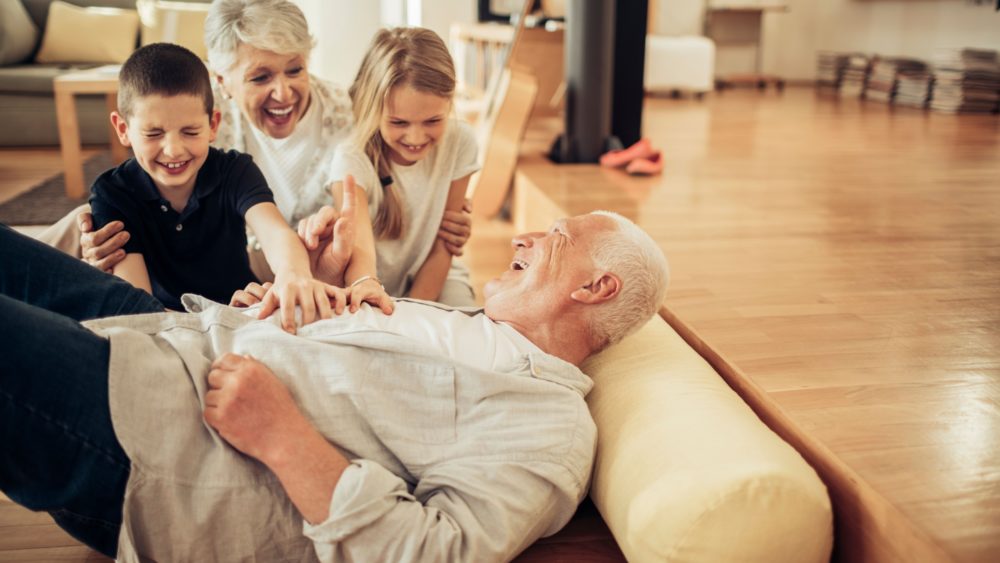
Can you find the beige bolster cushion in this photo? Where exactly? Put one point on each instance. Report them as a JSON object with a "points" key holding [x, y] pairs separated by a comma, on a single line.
{"points": [[75, 34], [686, 471]]}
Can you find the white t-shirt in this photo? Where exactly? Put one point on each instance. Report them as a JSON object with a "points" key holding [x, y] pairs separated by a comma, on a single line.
{"points": [[423, 188]]}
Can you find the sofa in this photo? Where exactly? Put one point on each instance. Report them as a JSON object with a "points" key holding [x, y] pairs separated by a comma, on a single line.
{"points": [[29, 63]]}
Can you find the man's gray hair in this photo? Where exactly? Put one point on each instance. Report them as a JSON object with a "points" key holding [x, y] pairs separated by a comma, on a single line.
{"points": [[278, 26], [629, 253]]}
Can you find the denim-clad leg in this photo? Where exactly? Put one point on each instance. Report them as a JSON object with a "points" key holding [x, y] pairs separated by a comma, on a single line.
{"points": [[37, 274], [58, 449]]}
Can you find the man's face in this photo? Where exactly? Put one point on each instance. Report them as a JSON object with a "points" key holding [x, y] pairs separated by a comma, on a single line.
{"points": [[547, 267]]}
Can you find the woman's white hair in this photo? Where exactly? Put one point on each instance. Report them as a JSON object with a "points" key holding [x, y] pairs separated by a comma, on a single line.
{"points": [[278, 26], [629, 253]]}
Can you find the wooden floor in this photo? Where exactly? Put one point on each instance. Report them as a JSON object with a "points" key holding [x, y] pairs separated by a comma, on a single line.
{"points": [[845, 259]]}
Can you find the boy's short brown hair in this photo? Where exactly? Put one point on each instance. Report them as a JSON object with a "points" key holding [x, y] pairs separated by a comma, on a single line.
{"points": [[162, 69]]}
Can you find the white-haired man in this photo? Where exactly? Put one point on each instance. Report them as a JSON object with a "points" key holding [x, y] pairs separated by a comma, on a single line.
{"points": [[427, 435]]}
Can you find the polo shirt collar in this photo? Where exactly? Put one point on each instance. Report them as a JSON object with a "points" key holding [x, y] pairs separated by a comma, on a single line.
{"points": [[208, 179]]}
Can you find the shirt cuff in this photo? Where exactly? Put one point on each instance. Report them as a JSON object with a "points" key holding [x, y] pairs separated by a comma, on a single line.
{"points": [[365, 492]]}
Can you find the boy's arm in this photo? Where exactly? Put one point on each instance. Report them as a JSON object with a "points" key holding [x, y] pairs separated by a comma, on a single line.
{"points": [[133, 270], [293, 281], [430, 279]]}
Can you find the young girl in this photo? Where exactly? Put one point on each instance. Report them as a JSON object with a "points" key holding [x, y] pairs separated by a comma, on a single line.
{"points": [[411, 162]]}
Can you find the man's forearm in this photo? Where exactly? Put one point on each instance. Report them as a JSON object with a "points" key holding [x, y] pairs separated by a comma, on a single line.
{"points": [[309, 469]]}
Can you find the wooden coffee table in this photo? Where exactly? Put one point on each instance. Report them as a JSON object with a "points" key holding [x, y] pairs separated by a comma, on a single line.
{"points": [[99, 80]]}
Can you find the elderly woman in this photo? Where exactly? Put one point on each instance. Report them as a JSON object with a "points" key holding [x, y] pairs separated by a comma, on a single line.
{"points": [[273, 109]]}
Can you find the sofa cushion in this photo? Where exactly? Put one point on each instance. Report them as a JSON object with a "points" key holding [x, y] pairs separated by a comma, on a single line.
{"points": [[182, 23], [685, 470], [96, 35], [18, 34], [35, 78]]}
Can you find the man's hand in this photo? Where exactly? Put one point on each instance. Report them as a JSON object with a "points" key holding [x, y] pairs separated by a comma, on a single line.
{"points": [[456, 228], [329, 235], [251, 408], [101, 249]]}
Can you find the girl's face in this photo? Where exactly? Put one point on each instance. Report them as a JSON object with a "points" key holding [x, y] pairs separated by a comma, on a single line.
{"points": [[271, 89], [412, 122]]}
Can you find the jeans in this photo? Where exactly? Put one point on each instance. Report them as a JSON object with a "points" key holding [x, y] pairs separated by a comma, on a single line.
{"points": [[58, 449]]}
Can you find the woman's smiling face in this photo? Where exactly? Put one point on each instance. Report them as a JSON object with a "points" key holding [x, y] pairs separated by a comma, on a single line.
{"points": [[271, 89]]}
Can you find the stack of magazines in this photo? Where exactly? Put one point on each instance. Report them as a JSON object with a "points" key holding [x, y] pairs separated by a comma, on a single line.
{"points": [[913, 88], [881, 86], [830, 70], [966, 81], [855, 75]]}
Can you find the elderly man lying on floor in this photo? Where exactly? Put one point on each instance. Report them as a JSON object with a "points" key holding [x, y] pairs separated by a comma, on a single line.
{"points": [[426, 435]]}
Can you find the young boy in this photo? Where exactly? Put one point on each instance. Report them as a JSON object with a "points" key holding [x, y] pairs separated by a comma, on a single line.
{"points": [[185, 204]]}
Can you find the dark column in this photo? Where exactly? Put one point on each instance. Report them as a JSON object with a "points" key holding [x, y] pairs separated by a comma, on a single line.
{"points": [[629, 69]]}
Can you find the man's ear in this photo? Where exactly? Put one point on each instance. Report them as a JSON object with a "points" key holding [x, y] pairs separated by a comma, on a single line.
{"points": [[121, 128], [601, 290]]}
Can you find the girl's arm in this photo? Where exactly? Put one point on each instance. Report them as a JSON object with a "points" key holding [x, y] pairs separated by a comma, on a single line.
{"points": [[430, 279], [132, 269], [362, 268], [293, 281]]}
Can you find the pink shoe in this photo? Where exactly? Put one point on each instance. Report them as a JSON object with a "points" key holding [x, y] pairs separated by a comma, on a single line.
{"points": [[646, 166], [616, 159]]}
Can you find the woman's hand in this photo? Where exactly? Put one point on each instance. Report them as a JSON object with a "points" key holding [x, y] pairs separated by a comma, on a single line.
{"points": [[103, 248], [251, 295], [456, 228], [314, 297], [369, 290]]}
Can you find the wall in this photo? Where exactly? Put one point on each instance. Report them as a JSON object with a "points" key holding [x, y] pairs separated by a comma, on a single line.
{"points": [[915, 28], [791, 39], [344, 28]]}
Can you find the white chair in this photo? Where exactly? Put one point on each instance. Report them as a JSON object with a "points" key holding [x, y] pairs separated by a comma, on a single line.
{"points": [[679, 64]]}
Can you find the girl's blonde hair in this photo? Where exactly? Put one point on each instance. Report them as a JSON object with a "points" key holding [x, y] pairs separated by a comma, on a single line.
{"points": [[402, 56]]}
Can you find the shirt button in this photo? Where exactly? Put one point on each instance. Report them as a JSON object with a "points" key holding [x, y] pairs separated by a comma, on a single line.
{"points": [[179, 227], [163, 208]]}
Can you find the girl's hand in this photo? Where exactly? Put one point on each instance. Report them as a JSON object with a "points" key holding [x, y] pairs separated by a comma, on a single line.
{"points": [[312, 296], [368, 289], [329, 235], [456, 228]]}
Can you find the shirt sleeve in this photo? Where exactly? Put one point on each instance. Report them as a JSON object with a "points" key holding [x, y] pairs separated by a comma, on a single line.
{"points": [[349, 160], [108, 204], [251, 187], [465, 511], [468, 150]]}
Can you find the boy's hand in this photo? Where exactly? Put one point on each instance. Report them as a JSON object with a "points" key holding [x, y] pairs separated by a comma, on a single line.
{"points": [[328, 236], [312, 296], [371, 291], [101, 249], [456, 228]]}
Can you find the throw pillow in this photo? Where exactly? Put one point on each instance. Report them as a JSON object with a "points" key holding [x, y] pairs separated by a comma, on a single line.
{"points": [[74, 34], [18, 33], [182, 23]]}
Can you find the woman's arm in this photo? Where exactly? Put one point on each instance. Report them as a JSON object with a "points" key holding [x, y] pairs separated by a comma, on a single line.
{"points": [[430, 279]]}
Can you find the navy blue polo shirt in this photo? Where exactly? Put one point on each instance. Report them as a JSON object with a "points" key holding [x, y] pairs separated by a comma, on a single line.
{"points": [[200, 250]]}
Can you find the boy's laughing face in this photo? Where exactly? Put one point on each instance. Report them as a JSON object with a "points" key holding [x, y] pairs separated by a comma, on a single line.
{"points": [[170, 137]]}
